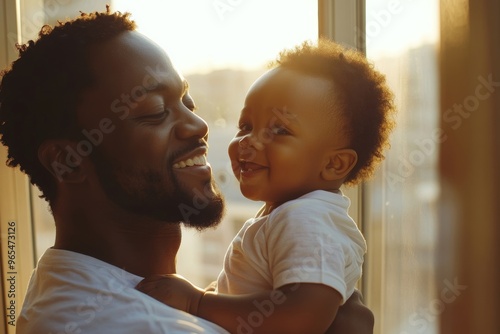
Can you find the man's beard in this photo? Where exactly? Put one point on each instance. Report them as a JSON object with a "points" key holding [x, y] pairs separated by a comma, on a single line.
{"points": [[148, 193]]}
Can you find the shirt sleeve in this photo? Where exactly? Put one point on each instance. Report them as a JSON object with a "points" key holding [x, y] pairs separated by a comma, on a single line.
{"points": [[306, 247]]}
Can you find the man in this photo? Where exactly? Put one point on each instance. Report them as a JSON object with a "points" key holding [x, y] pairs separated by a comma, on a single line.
{"points": [[102, 123]]}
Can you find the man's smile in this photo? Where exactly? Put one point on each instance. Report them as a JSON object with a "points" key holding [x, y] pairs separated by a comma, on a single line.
{"points": [[198, 160]]}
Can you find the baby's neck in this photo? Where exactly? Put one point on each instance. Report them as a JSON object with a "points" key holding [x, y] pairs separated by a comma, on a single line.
{"points": [[267, 208]]}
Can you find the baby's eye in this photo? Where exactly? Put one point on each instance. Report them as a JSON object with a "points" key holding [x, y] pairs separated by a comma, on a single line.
{"points": [[244, 127], [280, 130]]}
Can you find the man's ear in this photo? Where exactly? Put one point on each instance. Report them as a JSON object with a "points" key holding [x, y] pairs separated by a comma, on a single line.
{"points": [[339, 164], [62, 160]]}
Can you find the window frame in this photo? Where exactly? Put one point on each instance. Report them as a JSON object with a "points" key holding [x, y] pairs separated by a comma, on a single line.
{"points": [[344, 22], [15, 194]]}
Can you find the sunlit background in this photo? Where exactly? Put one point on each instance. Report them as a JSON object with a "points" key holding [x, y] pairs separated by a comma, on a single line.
{"points": [[202, 36]]}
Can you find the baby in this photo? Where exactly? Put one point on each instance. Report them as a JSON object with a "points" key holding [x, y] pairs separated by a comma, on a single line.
{"points": [[318, 120]]}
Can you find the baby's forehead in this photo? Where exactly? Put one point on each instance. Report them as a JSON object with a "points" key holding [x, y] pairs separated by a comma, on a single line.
{"points": [[285, 78], [294, 115], [291, 87]]}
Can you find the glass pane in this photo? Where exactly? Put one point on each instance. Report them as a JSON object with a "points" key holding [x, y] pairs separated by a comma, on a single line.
{"points": [[400, 202], [221, 47]]}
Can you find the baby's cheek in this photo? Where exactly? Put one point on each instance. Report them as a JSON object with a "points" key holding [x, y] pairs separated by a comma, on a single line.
{"points": [[232, 150], [234, 156]]}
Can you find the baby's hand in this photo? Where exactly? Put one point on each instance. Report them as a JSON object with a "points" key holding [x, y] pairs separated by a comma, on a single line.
{"points": [[173, 290]]}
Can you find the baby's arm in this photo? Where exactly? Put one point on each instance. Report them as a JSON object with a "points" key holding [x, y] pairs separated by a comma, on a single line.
{"points": [[353, 317], [294, 308]]}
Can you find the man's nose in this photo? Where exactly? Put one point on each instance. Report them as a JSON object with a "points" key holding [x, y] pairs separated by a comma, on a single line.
{"points": [[192, 125]]}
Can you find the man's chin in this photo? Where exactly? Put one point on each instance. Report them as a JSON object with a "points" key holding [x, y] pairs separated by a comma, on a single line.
{"points": [[203, 217], [147, 194]]}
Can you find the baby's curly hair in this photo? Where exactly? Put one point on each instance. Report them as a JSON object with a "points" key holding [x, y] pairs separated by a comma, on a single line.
{"points": [[365, 103], [40, 92]]}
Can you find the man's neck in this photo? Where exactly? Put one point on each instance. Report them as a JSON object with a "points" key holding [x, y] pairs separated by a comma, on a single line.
{"points": [[139, 246]]}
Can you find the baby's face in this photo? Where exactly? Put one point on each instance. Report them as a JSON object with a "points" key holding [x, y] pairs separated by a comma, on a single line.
{"points": [[285, 134]]}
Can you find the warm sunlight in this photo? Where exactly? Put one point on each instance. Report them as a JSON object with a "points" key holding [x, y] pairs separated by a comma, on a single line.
{"points": [[201, 35], [395, 26]]}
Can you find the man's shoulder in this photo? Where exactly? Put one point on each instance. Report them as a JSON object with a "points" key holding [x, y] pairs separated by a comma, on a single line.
{"points": [[93, 297]]}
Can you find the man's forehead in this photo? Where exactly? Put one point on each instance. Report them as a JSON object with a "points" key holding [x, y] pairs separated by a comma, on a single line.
{"points": [[171, 85], [128, 68], [129, 57]]}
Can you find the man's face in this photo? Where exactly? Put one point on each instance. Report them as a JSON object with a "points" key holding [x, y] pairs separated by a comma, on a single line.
{"points": [[152, 159]]}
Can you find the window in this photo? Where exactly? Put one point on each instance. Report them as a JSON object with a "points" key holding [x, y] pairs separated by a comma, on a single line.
{"points": [[400, 203]]}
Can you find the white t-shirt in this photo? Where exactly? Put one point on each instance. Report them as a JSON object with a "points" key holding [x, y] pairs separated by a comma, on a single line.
{"points": [[73, 293], [311, 239]]}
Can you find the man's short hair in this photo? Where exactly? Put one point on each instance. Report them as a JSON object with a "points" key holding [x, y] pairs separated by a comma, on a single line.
{"points": [[40, 92]]}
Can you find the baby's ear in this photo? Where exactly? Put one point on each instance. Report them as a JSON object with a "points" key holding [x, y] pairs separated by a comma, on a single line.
{"points": [[62, 160], [339, 164]]}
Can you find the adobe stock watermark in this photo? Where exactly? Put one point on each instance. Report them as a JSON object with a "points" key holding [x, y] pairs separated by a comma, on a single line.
{"points": [[199, 202], [263, 309], [380, 20], [222, 7], [121, 106], [325, 250], [422, 319], [89, 308], [31, 25], [256, 142], [454, 117]]}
